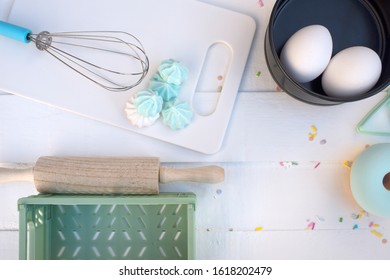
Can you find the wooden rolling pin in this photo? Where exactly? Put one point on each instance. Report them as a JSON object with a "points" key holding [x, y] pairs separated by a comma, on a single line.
{"points": [[105, 175]]}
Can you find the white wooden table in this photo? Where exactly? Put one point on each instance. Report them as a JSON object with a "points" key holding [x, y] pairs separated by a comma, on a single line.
{"points": [[284, 197]]}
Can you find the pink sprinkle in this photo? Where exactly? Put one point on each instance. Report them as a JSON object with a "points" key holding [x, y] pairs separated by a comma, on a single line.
{"points": [[260, 2], [311, 225], [318, 164], [371, 224]]}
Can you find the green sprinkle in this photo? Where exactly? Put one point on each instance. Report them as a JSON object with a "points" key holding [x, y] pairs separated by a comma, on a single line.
{"points": [[258, 73], [340, 219]]}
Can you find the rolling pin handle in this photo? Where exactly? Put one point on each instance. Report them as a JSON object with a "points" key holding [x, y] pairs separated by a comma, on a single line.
{"points": [[206, 174], [16, 172]]}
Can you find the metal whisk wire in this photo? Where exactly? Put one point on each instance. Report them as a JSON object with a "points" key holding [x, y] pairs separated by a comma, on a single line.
{"points": [[125, 54], [98, 74]]}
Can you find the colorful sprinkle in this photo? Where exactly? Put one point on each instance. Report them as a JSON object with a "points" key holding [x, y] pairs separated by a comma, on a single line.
{"points": [[323, 142], [318, 164], [384, 241], [288, 164], [258, 73], [374, 232], [260, 2], [348, 163], [312, 134], [355, 227], [259, 229], [219, 78], [340, 219], [219, 89], [355, 216], [310, 226], [219, 191]]}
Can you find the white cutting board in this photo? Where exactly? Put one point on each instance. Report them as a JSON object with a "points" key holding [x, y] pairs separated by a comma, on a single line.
{"points": [[177, 29]]}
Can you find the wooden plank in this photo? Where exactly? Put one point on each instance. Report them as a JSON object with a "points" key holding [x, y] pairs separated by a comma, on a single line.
{"points": [[266, 245], [5, 8], [277, 197], [9, 195], [9, 245], [292, 245], [264, 127]]}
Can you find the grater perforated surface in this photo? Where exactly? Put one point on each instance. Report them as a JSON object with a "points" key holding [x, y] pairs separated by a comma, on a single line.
{"points": [[113, 230], [119, 232]]}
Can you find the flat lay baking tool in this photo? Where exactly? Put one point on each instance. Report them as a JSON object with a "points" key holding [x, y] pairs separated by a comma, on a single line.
{"points": [[82, 227], [377, 120], [74, 48], [199, 35], [350, 22], [370, 179], [105, 175]]}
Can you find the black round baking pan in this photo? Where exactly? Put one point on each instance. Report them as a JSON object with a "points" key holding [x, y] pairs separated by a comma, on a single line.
{"points": [[350, 22]]}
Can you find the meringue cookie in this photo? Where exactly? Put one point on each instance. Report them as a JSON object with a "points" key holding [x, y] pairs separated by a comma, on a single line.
{"points": [[135, 117], [176, 114], [148, 103], [166, 90], [173, 72]]}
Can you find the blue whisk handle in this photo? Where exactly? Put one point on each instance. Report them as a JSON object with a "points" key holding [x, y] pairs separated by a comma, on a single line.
{"points": [[14, 32]]}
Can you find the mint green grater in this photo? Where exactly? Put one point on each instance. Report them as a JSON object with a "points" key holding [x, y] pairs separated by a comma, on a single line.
{"points": [[107, 227]]}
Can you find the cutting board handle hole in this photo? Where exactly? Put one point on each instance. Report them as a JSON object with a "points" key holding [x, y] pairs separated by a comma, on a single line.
{"points": [[214, 73]]}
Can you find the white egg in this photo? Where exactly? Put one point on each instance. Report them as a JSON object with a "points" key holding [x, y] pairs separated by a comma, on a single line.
{"points": [[351, 72], [307, 53]]}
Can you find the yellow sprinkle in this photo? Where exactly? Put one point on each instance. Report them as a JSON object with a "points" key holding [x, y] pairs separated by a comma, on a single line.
{"points": [[313, 128], [312, 136], [374, 232], [375, 226], [259, 229], [348, 163]]}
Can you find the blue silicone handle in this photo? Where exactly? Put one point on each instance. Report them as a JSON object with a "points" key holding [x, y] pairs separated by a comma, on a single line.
{"points": [[14, 32]]}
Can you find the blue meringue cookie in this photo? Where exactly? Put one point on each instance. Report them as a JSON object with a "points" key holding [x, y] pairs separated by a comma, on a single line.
{"points": [[173, 72], [166, 90], [136, 118], [148, 103], [176, 114]]}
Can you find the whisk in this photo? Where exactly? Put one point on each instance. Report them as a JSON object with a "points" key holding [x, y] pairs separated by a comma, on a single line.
{"points": [[114, 60]]}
